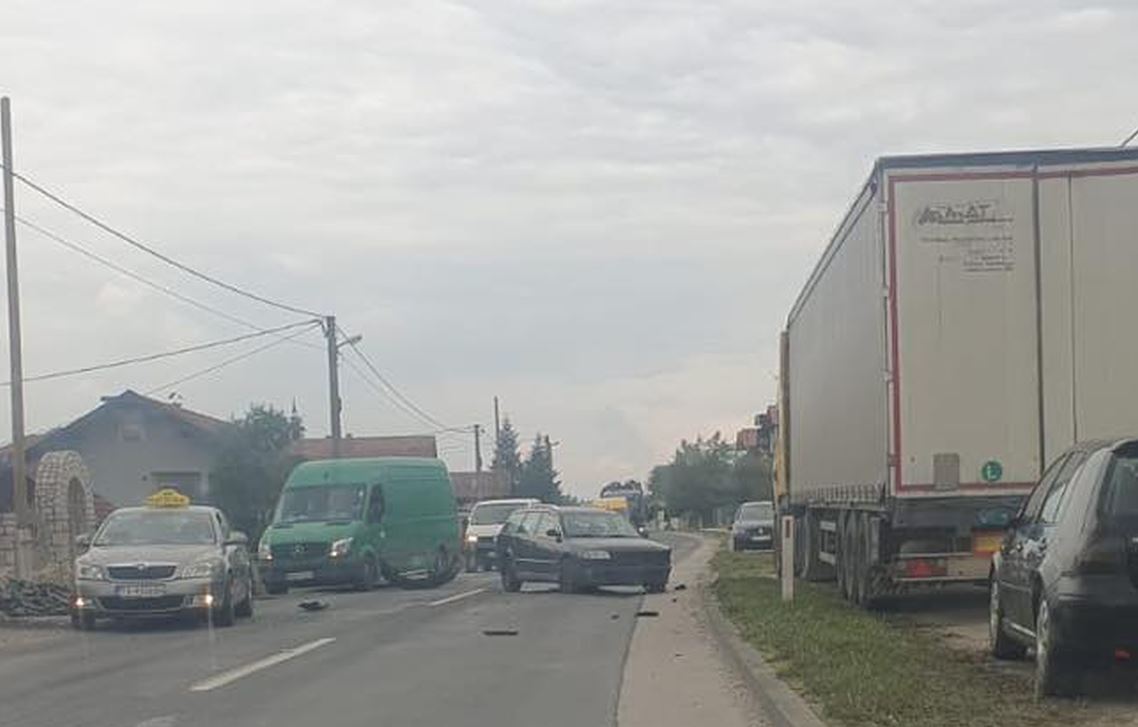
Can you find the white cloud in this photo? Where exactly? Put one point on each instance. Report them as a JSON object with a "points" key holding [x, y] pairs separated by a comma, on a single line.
{"points": [[600, 211]]}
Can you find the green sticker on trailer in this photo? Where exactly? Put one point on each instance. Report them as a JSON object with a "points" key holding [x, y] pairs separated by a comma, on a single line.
{"points": [[992, 471]]}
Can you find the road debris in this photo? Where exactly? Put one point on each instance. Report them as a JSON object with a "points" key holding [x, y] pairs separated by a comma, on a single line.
{"points": [[26, 598], [500, 632], [680, 587], [647, 614], [313, 605]]}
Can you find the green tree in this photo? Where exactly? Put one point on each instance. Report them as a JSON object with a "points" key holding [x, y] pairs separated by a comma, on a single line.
{"points": [[507, 460], [753, 476], [700, 479], [538, 478], [252, 466]]}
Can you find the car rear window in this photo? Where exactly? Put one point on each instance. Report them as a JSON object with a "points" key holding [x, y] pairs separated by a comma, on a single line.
{"points": [[1121, 493]]}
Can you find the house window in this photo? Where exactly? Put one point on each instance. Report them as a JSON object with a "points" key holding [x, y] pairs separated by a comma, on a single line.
{"points": [[131, 432]]}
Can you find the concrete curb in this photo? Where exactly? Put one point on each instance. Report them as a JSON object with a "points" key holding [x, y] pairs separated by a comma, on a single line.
{"points": [[783, 706]]}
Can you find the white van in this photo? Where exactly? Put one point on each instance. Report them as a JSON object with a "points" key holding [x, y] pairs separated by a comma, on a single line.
{"points": [[486, 520]]}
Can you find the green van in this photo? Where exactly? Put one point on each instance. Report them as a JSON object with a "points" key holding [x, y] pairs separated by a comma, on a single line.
{"points": [[348, 521]]}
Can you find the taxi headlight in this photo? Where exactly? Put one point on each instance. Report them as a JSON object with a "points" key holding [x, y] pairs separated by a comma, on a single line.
{"points": [[471, 538], [340, 548], [201, 569], [85, 572], [595, 555]]}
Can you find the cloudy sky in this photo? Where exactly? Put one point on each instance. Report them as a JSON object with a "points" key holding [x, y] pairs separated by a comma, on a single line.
{"points": [[598, 211]]}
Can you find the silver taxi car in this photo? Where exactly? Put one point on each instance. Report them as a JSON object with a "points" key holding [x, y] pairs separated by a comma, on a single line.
{"points": [[166, 558]]}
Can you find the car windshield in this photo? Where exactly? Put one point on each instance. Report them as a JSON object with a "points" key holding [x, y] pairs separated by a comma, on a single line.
{"points": [[597, 525], [492, 513], [756, 511], [157, 527], [336, 502]]}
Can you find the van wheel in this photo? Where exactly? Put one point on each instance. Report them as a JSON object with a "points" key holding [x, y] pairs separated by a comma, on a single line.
{"points": [[369, 576], [444, 569]]}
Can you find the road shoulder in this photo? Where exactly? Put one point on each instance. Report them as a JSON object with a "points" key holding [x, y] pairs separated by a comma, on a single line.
{"points": [[675, 672]]}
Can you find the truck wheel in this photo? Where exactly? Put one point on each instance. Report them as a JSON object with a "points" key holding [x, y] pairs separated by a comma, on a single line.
{"points": [[867, 587], [847, 558]]}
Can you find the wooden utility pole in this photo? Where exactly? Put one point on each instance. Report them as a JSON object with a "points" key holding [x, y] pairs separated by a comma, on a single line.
{"points": [[19, 475], [477, 447], [333, 382], [497, 423]]}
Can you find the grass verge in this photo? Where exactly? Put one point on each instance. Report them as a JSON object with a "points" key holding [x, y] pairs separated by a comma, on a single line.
{"points": [[862, 670]]}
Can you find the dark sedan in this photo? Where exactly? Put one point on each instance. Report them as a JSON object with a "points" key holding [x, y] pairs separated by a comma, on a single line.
{"points": [[1065, 581], [579, 547]]}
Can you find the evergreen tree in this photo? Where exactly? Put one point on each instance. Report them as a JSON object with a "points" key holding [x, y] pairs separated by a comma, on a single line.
{"points": [[507, 461], [539, 479]]}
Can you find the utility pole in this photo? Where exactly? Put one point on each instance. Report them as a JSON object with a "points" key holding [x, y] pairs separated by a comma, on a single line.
{"points": [[497, 424], [19, 475], [333, 382], [477, 447]]}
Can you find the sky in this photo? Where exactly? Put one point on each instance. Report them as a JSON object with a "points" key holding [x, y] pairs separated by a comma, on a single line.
{"points": [[599, 212]]}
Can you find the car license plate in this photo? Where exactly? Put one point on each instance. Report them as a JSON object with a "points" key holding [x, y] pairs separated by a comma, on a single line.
{"points": [[300, 575], [140, 590], [986, 543]]}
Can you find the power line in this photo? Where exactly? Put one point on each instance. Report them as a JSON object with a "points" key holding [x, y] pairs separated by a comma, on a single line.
{"points": [[1127, 140], [160, 255], [77, 248], [228, 361], [395, 392], [156, 356]]}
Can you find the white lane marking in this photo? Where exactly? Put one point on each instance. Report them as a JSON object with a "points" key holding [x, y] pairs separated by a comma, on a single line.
{"points": [[457, 597], [228, 677]]}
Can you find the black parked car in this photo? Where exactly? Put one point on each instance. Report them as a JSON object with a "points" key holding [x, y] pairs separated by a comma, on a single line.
{"points": [[753, 528], [1065, 580], [579, 547]]}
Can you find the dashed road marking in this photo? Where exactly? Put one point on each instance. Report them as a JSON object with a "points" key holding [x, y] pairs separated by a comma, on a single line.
{"points": [[457, 597], [228, 677]]}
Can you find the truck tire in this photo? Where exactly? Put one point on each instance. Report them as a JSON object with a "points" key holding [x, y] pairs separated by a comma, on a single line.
{"points": [[847, 556], [867, 592]]}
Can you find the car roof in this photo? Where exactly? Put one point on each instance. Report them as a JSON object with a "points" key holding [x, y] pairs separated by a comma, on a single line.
{"points": [[145, 508]]}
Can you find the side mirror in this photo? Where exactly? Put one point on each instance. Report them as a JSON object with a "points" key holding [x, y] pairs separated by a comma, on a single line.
{"points": [[83, 542], [554, 533], [237, 538]]}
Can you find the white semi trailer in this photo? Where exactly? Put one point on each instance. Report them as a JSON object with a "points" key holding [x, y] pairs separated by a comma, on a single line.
{"points": [[972, 316]]}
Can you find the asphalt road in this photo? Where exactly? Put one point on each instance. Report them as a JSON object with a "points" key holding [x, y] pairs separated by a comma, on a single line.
{"points": [[388, 657]]}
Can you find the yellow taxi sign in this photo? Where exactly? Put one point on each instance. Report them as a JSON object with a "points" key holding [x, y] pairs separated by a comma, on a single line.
{"points": [[168, 497]]}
